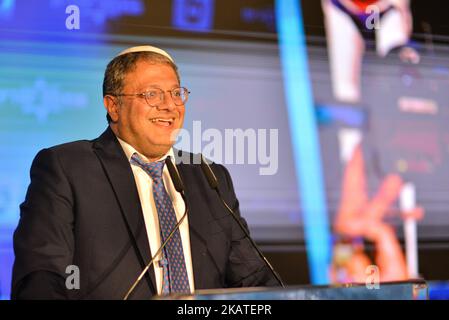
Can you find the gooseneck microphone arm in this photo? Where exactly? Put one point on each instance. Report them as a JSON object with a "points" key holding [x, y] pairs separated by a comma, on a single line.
{"points": [[213, 182], [175, 177], [179, 187]]}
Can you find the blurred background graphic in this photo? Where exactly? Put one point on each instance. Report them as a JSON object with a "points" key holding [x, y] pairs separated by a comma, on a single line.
{"points": [[359, 91]]}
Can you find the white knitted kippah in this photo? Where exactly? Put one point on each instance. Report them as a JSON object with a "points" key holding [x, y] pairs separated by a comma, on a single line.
{"points": [[147, 49]]}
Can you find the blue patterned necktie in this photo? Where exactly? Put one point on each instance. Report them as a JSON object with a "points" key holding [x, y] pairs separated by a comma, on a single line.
{"points": [[173, 264]]}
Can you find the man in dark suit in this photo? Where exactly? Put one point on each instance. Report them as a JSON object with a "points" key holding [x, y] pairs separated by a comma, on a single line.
{"points": [[95, 211]]}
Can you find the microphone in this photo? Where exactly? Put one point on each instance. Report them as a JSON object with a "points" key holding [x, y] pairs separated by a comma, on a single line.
{"points": [[175, 177], [213, 182], [179, 187]]}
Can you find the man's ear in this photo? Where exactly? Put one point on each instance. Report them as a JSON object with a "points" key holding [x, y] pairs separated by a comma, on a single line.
{"points": [[112, 106]]}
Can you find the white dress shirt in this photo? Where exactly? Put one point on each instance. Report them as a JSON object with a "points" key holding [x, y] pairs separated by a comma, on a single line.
{"points": [[144, 185]]}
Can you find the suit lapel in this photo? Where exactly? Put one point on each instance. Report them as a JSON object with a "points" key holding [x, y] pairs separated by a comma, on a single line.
{"points": [[120, 176], [198, 223]]}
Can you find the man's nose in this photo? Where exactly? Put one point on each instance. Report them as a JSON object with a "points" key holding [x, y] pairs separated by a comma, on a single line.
{"points": [[167, 102]]}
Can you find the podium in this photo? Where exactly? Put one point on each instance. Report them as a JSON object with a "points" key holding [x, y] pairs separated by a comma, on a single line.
{"points": [[405, 290]]}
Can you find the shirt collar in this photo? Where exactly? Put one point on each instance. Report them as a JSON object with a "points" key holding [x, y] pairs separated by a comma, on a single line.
{"points": [[130, 150]]}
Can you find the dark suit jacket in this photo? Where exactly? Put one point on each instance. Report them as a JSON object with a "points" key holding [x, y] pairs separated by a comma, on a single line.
{"points": [[82, 208]]}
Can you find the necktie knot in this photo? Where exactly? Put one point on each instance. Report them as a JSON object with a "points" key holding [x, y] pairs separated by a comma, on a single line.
{"points": [[153, 169]]}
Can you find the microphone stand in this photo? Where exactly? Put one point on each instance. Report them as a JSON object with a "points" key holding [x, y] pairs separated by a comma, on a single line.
{"points": [[213, 182]]}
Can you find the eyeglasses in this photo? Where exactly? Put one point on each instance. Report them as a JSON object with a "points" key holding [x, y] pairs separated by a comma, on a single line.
{"points": [[156, 96]]}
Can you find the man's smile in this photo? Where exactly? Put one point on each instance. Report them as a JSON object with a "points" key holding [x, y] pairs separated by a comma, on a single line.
{"points": [[163, 122]]}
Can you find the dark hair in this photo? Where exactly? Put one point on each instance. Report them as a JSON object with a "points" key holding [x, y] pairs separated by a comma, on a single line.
{"points": [[119, 66]]}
